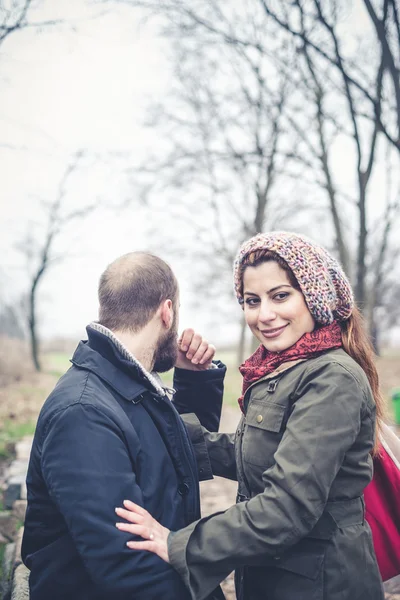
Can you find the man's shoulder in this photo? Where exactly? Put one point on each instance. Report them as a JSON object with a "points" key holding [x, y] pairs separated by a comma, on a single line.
{"points": [[76, 386]]}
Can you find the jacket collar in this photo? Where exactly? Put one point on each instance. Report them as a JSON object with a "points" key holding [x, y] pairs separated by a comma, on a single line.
{"points": [[104, 355]]}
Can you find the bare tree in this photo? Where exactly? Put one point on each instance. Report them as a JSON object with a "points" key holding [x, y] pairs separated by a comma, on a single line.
{"points": [[17, 15], [39, 252], [11, 320], [14, 16], [383, 309], [365, 85], [227, 136], [316, 131], [387, 28], [334, 93], [322, 48]]}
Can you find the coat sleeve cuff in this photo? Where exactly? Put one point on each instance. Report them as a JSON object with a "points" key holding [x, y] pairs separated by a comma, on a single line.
{"points": [[197, 438], [177, 543], [198, 580], [215, 372]]}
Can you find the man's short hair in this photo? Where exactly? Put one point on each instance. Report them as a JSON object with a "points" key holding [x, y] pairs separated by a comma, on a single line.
{"points": [[132, 288]]}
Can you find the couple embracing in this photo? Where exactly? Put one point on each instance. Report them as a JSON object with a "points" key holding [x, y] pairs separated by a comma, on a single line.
{"points": [[113, 494]]}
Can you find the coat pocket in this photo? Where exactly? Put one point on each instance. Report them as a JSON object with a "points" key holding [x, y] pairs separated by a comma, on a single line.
{"points": [[263, 432], [297, 574], [306, 559], [265, 415]]}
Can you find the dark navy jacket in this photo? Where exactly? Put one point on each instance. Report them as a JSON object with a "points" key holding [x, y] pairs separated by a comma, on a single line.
{"points": [[105, 435]]}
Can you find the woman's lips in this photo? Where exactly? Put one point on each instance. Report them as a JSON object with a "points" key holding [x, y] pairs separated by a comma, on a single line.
{"points": [[272, 333]]}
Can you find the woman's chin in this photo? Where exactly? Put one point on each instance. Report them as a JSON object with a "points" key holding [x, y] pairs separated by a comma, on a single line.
{"points": [[280, 344], [276, 346]]}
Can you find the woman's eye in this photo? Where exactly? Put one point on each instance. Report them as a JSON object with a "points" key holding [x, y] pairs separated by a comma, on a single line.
{"points": [[252, 301], [281, 296]]}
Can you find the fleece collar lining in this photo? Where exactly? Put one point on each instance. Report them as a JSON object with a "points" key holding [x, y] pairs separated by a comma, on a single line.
{"points": [[152, 378]]}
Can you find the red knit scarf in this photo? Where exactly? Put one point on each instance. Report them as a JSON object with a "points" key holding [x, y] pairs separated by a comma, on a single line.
{"points": [[310, 345]]}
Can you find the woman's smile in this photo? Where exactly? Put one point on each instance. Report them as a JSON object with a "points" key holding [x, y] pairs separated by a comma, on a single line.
{"points": [[273, 333]]}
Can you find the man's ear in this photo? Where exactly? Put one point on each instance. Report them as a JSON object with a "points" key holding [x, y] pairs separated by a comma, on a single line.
{"points": [[167, 313]]}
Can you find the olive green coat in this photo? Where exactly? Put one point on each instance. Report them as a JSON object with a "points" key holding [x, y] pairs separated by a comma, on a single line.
{"points": [[301, 455]]}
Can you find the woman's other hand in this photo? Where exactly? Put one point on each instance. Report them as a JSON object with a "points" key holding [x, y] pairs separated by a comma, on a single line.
{"points": [[143, 524]]}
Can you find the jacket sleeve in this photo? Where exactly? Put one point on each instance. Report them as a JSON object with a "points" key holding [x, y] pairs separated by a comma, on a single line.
{"points": [[323, 425], [201, 392], [88, 471], [215, 452]]}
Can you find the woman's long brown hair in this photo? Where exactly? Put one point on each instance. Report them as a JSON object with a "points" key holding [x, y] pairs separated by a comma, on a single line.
{"points": [[355, 340], [357, 344]]}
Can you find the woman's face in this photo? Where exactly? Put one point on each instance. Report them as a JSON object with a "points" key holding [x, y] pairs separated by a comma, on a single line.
{"points": [[274, 310]]}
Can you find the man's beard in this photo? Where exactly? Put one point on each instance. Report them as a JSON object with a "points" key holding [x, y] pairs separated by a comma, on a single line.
{"points": [[167, 352]]}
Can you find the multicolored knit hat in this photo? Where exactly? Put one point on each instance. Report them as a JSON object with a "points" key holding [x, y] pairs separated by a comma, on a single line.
{"points": [[325, 287]]}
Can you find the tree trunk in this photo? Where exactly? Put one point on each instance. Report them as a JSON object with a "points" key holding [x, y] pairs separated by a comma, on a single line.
{"points": [[362, 247], [374, 336], [34, 340], [344, 257]]}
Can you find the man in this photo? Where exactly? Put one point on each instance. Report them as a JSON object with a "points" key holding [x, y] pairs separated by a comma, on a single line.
{"points": [[108, 432]]}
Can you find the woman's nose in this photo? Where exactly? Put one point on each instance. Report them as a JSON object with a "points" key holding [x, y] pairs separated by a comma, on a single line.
{"points": [[266, 313]]}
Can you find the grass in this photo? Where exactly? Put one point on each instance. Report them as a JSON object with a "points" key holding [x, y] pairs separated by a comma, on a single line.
{"points": [[56, 363], [4, 576], [233, 379], [2, 551], [11, 432], [19, 524]]}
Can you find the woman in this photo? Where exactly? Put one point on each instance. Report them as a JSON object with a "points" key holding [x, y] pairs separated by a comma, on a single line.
{"points": [[302, 451]]}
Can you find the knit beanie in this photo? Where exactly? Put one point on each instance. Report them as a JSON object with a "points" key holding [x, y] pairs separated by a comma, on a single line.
{"points": [[324, 285]]}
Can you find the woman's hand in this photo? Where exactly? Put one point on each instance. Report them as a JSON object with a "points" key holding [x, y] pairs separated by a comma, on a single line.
{"points": [[142, 523], [195, 353]]}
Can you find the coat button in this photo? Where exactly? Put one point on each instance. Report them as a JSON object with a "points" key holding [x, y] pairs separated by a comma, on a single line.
{"points": [[183, 489], [259, 419]]}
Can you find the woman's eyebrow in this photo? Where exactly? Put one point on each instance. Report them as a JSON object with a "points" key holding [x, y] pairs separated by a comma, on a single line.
{"points": [[268, 291], [279, 286]]}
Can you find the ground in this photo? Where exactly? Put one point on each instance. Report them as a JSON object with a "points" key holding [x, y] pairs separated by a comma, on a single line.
{"points": [[219, 494]]}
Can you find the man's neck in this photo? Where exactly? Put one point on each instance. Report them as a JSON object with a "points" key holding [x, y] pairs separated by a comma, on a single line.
{"points": [[140, 345]]}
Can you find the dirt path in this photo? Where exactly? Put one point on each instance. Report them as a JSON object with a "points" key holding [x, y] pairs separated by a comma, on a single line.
{"points": [[219, 494]]}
